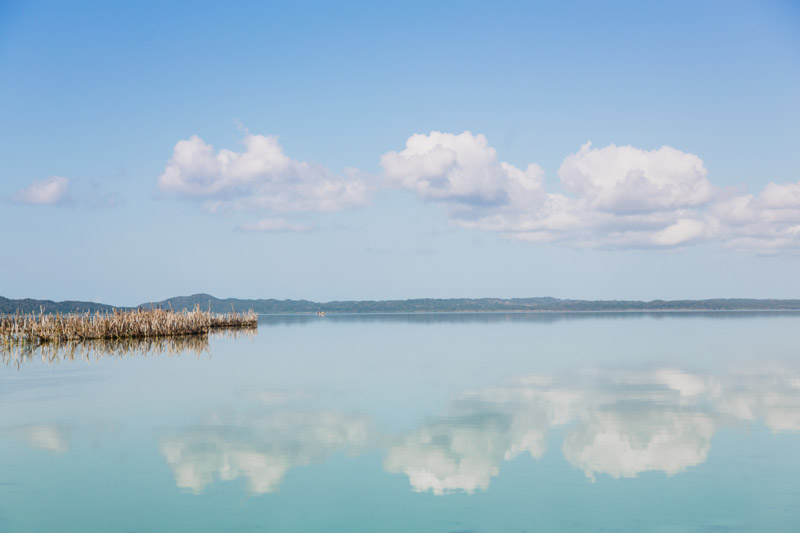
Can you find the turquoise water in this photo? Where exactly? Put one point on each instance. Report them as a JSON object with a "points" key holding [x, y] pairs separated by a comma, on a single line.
{"points": [[440, 423]]}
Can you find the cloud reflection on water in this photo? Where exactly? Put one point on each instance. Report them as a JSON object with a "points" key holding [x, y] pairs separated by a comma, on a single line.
{"points": [[624, 442], [260, 447], [50, 437], [620, 424], [463, 451], [614, 423]]}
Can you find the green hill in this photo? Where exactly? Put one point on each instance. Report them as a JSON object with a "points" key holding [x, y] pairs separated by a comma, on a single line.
{"points": [[470, 304], [428, 305], [28, 305]]}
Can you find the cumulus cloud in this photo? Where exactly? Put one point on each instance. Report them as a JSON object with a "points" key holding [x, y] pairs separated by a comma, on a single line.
{"points": [[624, 179], [613, 196], [461, 170], [604, 197], [766, 222], [260, 177], [618, 195], [51, 191]]}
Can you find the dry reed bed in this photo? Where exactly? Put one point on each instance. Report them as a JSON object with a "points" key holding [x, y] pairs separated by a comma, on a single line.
{"points": [[38, 329]]}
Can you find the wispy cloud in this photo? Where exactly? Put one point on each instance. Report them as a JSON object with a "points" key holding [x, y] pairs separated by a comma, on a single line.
{"points": [[60, 191], [51, 191]]}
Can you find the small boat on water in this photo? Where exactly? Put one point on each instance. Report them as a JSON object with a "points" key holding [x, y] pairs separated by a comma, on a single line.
{"points": [[320, 313]]}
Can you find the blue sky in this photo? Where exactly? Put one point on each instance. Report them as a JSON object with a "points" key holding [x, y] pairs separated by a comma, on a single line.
{"points": [[258, 150]]}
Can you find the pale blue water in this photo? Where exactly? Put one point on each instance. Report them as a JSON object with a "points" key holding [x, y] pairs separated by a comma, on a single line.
{"points": [[440, 423]]}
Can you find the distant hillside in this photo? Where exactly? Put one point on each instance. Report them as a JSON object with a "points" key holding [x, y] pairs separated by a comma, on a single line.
{"points": [[429, 305], [28, 305], [206, 301]]}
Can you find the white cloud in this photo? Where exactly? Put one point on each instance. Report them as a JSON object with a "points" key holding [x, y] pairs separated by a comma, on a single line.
{"points": [[620, 196], [51, 191], [460, 170], [624, 179], [261, 177], [781, 196], [766, 223], [606, 197], [274, 225], [614, 196]]}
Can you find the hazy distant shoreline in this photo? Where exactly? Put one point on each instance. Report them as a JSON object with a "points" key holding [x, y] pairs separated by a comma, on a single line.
{"points": [[419, 306]]}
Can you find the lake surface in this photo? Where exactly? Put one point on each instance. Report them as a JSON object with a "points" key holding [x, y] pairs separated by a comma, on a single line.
{"points": [[442, 423]]}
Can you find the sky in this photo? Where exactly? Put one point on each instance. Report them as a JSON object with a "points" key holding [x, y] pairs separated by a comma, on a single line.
{"points": [[340, 151]]}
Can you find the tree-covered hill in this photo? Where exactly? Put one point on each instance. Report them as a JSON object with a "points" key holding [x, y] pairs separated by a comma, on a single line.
{"points": [[428, 305], [206, 301], [28, 305]]}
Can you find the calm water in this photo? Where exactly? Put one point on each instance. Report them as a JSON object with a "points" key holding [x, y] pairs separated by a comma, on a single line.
{"points": [[441, 423]]}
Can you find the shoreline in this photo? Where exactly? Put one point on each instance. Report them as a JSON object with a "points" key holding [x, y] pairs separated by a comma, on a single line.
{"points": [[531, 311]]}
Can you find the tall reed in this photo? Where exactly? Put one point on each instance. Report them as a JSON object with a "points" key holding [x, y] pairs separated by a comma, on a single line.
{"points": [[37, 329]]}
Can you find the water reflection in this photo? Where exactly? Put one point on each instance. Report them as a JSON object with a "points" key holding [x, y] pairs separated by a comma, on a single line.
{"points": [[612, 423], [618, 424], [771, 395], [545, 317], [463, 451], [628, 440], [50, 437], [96, 349], [56, 437], [260, 446]]}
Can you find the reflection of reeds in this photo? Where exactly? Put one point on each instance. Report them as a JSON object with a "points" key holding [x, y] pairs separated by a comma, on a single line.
{"points": [[96, 349], [141, 332]]}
